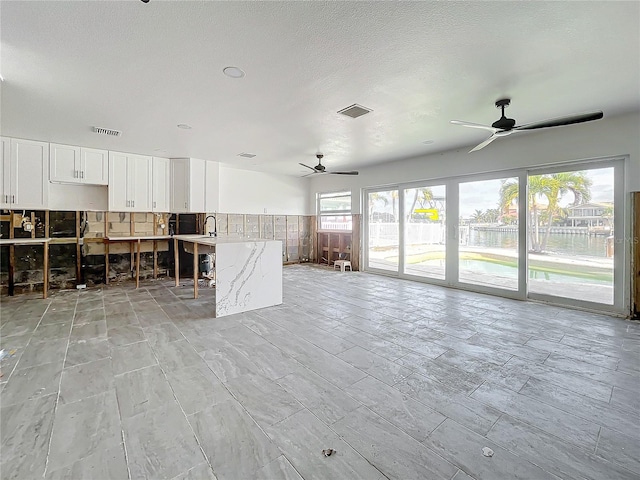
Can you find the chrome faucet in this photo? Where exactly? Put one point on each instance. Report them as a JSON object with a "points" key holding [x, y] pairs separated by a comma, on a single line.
{"points": [[215, 226]]}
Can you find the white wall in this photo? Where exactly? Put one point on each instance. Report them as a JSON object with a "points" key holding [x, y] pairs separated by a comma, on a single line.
{"points": [[603, 138], [78, 197], [244, 191]]}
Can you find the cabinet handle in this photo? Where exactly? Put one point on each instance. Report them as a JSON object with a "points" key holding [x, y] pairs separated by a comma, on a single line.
{"points": [[6, 199], [133, 203], [154, 204], [127, 203], [81, 174], [13, 199]]}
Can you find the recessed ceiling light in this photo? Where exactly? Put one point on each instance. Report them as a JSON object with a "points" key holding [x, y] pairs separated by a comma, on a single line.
{"points": [[233, 72], [184, 126], [428, 142]]}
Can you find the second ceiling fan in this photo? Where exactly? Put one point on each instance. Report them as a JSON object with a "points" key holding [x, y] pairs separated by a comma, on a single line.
{"points": [[322, 169], [506, 126]]}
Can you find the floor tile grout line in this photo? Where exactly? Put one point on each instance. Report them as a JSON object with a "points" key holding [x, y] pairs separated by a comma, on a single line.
{"points": [[595, 448], [55, 407], [15, 367], [173, 393], [583, 447]]}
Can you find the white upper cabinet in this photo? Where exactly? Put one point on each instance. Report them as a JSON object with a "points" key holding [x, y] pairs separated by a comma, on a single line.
{"points": [[24, 174], [142, 185], [95, 166], [5, 172], [194, 185], [70, 164], [118, 181], [180, 185], [130, 182], [161, 191], [64, 163]]}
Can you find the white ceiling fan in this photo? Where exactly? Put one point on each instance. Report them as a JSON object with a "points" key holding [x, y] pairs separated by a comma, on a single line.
{"points": [[506, 126]]}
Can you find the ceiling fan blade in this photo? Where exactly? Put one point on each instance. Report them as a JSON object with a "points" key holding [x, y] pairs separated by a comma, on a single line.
{"points": [[310, 168], [484, 144], [474, 125], [308, 174], [560, 121], [352, 172]]}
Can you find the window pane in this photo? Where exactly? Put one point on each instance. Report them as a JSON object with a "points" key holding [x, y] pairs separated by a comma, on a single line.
{"points": [[331, 202], [384, 230], [571, 234], [488, 233], [335, 222], [425, 231]]}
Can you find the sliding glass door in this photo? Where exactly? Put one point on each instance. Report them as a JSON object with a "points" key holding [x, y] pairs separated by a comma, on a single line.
{"points": [[573, 223], [383, 230], [425, 231], [488, 233], [553, 234]]}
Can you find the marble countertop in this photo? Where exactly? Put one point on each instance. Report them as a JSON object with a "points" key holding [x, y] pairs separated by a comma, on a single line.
{"points": [[207, 240], [135, 238], [23, 241]]}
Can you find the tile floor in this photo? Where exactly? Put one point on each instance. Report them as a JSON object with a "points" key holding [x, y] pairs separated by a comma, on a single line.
{"points": [[403, 380]]}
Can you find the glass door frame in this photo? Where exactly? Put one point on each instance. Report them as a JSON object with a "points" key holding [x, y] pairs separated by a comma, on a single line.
{"points": [[364, 201], [452, 235], [621, 231], [426, 183], [453, 193]]}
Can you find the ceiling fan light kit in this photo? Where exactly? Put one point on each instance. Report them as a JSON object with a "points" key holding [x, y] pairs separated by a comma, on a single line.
{"points": [[322, 169], [506, 126]]}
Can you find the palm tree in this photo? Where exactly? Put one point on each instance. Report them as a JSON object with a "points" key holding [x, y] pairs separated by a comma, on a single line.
{"points": [[423, 195], [477, 216], [553, 187], [373, 198], [559, 185]]}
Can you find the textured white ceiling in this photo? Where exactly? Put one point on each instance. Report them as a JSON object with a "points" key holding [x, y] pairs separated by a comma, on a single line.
{"points": [[144, 68]]}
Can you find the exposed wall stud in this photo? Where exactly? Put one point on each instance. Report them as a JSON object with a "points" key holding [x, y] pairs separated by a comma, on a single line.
{"points": [[78, 249]]}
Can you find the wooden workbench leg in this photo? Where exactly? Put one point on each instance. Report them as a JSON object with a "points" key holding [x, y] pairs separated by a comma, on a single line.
{"points": [[195, 270], [12, 267], [106, 262], [138, 265], [46, 270], [155, 259], [176, 261]]}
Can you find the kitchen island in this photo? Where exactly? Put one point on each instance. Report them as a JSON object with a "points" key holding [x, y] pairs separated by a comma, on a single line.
{"points": [[248, 271]]}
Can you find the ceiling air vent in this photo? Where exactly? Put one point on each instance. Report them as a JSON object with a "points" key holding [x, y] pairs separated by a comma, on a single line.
{"points": [[106, 131], [355, 111], [246, 155]]}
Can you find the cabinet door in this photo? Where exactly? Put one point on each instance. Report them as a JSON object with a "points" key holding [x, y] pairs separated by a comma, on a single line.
{"points": [[179, 185], [64, 164], [197, 181], [211, 188], [5, 171], [94, 166], [118, 180], [160, 184], [29, 174], [141, 185]]}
